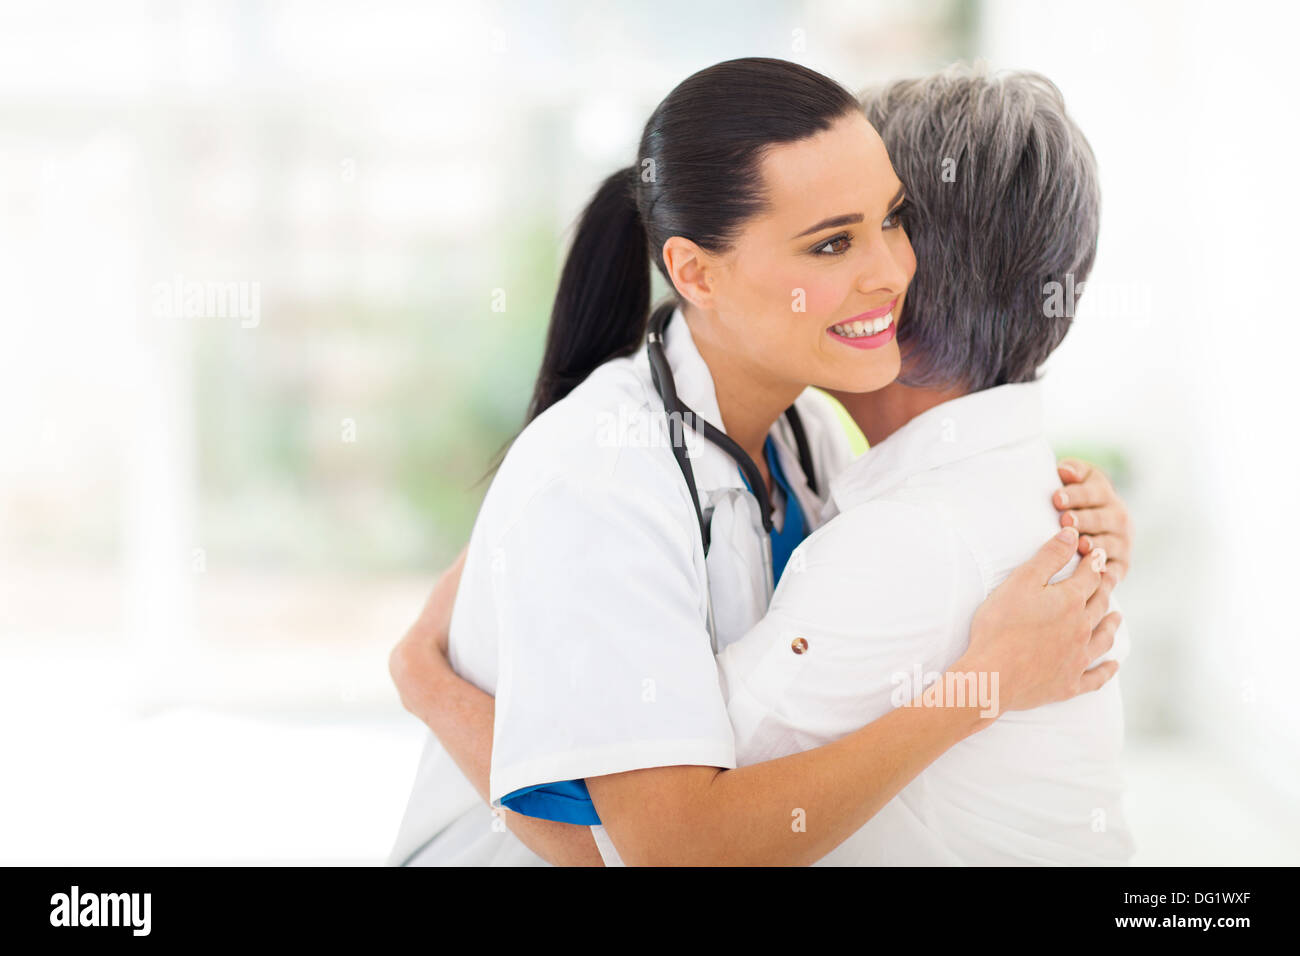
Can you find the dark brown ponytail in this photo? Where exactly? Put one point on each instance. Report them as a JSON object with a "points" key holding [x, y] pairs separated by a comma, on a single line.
{"points": [[603, 301]]}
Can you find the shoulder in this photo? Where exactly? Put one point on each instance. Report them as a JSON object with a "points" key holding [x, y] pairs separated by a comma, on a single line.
{"points": [[881, 557], [597, 457], [584, 431], [998, 502], [885, 535]]}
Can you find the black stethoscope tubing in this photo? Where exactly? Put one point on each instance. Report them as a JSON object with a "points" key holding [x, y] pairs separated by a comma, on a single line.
{"points": [[665, 385]]}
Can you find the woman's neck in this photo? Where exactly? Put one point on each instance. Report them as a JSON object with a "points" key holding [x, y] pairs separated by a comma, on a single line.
{"points": [[881, 413], [749, 400]]}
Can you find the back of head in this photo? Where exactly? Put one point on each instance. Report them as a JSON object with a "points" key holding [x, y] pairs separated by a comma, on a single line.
{"points": [[1003, 201]]}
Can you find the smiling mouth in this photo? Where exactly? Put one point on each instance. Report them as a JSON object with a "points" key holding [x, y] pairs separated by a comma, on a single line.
{"points": [[864, 327], [869, 330]]}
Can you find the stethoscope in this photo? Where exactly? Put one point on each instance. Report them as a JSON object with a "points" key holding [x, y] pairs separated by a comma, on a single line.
{"points": [[675, 408]]}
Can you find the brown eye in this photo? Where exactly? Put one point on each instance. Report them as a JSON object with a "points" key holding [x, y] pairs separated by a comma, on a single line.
{"points": [[895, 218], [834, 247]]}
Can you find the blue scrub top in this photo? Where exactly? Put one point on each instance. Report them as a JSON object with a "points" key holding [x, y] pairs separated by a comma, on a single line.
{"points": [[568, 801], [794, 528]]}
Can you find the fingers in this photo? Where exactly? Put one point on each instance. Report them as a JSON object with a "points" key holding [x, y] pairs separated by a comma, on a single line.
{"points": [[1116, 548], [1116, 543], [1091, 506], [1108, 518], [1095, 678], [1089, 491], [1113, 575], [1053, 556], [1117, 571], [1099, 603], [1087, 577], [1072, 470], [1103, 635]]}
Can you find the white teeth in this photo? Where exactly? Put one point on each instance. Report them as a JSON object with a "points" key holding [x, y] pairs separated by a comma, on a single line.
{"points": [[853, 330]]}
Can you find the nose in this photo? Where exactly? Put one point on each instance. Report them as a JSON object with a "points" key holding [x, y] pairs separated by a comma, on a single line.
{"points": [[886, 268]]}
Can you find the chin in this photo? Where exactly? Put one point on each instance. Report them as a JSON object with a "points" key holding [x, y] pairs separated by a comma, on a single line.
{"points": [[874, 375]]}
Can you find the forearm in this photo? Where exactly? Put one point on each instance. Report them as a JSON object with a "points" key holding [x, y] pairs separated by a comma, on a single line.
{"points": [[460, 716], [838, 787], [786, 812]]}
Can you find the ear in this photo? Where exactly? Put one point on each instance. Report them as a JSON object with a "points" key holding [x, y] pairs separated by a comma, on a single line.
{"points": [[689, 268]]}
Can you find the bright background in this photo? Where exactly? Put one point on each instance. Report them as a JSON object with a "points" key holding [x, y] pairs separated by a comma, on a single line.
{"points": [[212, 531]]}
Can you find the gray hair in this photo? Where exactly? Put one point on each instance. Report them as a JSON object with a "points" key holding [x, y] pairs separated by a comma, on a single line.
{"points": [[1003, 200]]}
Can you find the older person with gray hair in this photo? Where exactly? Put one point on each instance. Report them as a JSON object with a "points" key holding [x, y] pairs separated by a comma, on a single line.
{"points": [[953, 494]]}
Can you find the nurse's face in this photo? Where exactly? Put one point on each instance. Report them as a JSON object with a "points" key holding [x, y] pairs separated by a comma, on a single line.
{"points": [[811, 290]]}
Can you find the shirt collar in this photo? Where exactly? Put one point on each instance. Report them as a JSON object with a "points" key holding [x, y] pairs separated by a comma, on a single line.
{"points": [[690, 371], [955, 430], [713, 467]]}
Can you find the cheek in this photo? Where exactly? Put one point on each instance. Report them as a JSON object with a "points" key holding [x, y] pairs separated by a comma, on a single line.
{"points": [[824, 295], [782, 289], [807, 292], [792, 297]]}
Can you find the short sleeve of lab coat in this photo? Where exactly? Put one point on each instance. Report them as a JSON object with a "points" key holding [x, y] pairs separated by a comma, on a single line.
{"points": [[605, 663]]}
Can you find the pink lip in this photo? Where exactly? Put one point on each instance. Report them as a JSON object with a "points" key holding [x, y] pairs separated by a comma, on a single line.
{"points": [[867, 341], [884, 337], [873, 314]]}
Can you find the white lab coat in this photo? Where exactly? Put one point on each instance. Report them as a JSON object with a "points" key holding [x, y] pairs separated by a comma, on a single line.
{"points": [[584, 601]]}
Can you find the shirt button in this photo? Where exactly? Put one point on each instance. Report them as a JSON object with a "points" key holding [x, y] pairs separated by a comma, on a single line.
{"points": [[798, 645]]}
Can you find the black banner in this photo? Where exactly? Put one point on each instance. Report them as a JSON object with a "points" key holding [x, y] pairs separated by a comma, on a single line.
{"points": [[338, 906]]}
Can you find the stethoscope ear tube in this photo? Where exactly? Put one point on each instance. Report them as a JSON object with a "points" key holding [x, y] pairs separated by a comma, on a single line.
{"points": [[664, 384], [801, 443]]}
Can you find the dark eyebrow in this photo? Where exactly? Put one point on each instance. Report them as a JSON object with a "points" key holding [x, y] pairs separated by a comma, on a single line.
{"points": [[848, 219]]}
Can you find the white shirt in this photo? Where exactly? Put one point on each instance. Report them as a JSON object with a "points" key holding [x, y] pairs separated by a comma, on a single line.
{"points": [[584, 601], [930, 521]]}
